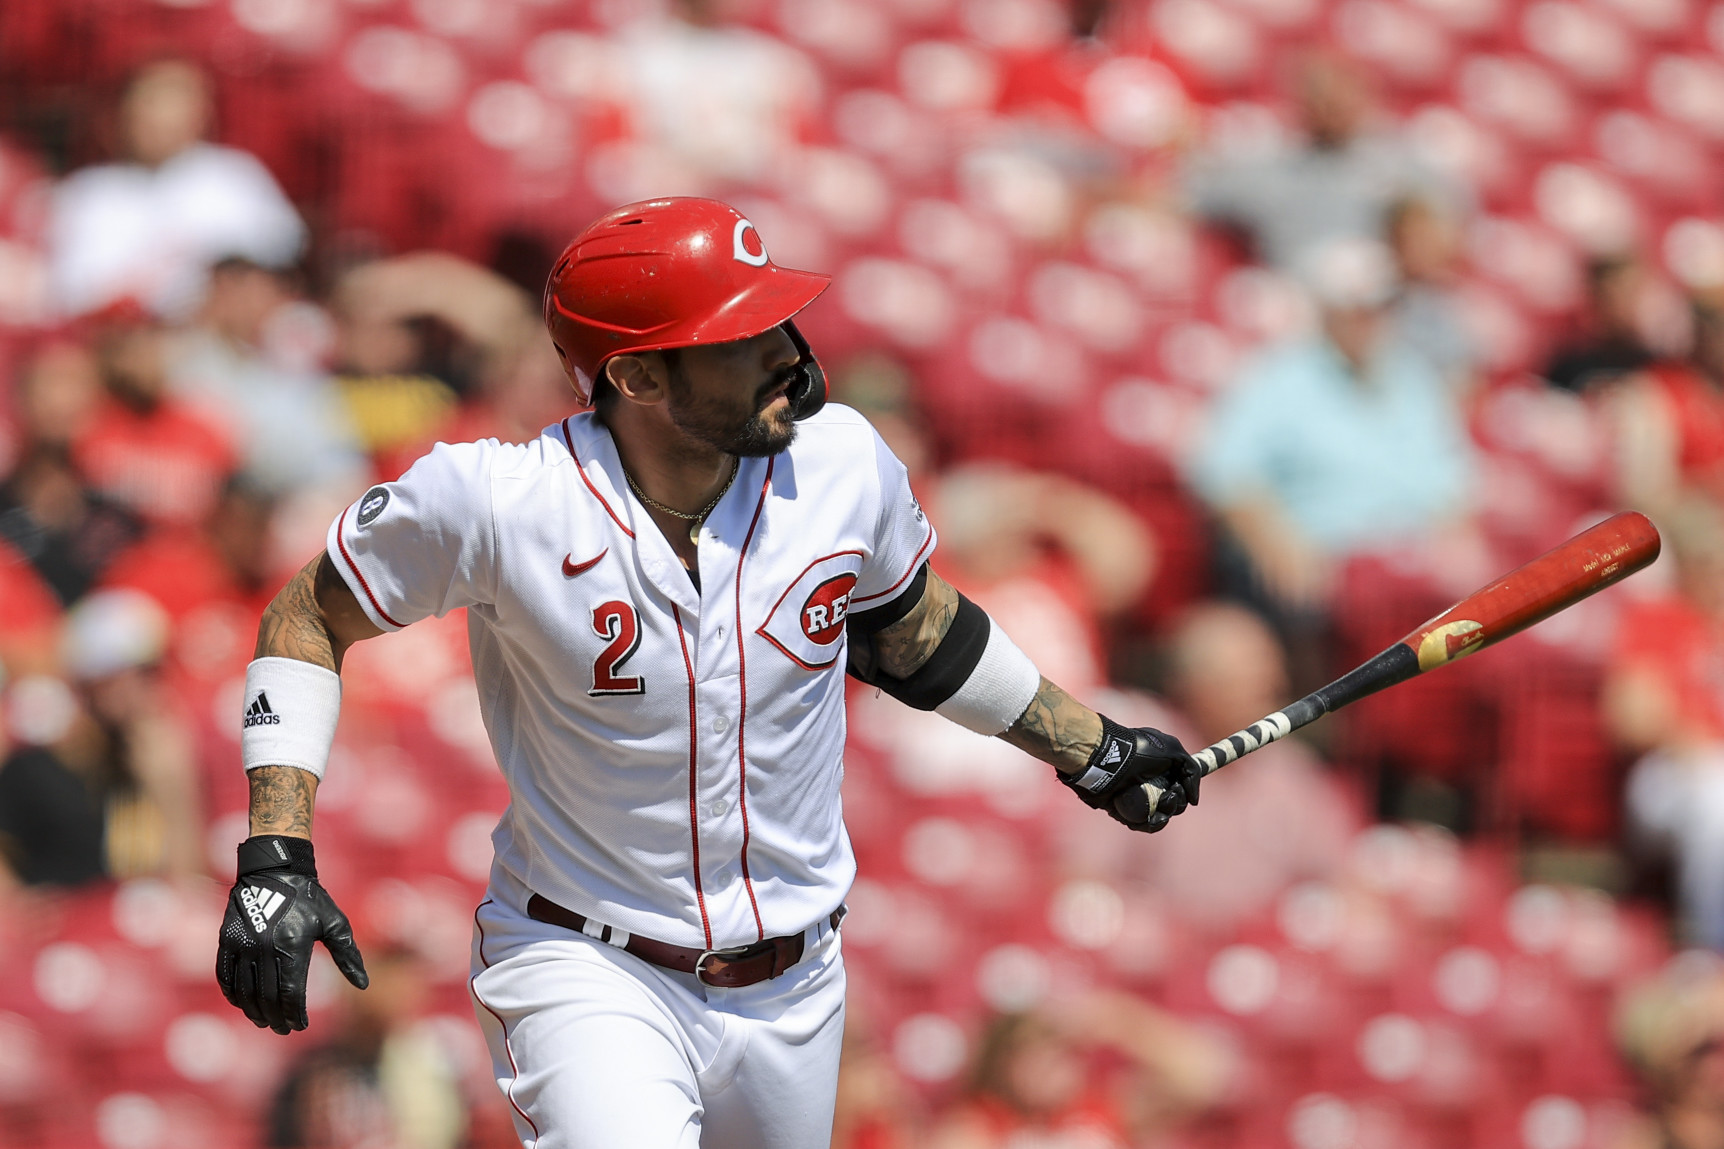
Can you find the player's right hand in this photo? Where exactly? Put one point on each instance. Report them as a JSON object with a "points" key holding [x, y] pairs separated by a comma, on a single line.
{"points": [[1124, 762], [276, 912]]}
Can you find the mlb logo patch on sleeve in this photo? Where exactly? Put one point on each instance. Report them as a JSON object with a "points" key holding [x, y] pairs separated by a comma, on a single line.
{"points": [[807, 622], [371, 505]]}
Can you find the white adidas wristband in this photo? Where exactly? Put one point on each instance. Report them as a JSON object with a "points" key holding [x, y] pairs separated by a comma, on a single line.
{"points": [[998, 691], [290, 712]]}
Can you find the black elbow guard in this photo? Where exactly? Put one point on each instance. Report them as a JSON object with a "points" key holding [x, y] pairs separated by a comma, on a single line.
{"points": [[947, 669]]}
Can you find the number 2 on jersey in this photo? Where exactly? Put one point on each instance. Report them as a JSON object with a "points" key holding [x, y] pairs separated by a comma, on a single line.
{"points": [[616, 621]]}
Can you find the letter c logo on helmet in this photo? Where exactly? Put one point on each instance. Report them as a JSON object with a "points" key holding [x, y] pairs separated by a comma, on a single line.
{"points": [[660, 274], [739, 246]]}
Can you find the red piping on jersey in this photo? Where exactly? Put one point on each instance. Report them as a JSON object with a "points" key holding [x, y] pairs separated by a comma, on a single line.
{"points": [[473, 988], [693, 762], [905, 577], [340, 529], [742, 706], [582, 471]]}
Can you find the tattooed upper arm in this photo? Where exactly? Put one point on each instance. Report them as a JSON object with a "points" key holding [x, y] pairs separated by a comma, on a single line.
{"points": [[314, 618], [347, 621], [902, 648], [292, 626], [1054, 727]]}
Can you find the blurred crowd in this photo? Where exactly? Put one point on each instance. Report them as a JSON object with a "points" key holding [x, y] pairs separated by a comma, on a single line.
{"points": [[1220, 350]]}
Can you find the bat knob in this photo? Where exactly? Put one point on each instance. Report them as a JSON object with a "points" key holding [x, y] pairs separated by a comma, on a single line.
{"points": [[1137, 803]]}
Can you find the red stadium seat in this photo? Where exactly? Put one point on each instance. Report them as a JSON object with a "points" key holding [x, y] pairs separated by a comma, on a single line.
{"points": [[987, 193]]}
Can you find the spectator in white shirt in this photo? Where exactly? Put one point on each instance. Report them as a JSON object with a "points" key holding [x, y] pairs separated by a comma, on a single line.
{"points": [[149, 226], [1339, 181]]}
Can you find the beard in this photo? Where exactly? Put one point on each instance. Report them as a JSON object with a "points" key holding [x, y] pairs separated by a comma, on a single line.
{"points": [[744, 430]]}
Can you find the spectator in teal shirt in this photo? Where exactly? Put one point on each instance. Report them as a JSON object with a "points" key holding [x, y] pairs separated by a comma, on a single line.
{"points": [[1341, 443]]}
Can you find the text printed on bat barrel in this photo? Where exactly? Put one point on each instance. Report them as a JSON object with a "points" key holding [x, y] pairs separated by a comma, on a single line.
{"points": [[1615, 554]]}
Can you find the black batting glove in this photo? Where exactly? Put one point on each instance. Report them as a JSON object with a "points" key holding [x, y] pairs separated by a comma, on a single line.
{"points": [[1114, 777], [275, 913]]}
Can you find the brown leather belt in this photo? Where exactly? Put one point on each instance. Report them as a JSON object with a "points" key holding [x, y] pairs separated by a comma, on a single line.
{"points": [[721, 969]]}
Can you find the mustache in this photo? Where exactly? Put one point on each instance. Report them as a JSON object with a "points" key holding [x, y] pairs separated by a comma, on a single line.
{"points": [[782, 379]]}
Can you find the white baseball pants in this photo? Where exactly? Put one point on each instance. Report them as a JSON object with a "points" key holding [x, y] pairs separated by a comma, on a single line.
{"points": [[596, 1049]]}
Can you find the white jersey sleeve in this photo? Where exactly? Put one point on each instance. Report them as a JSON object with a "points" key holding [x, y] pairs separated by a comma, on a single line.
{"points": [[424, 544], [903, 536]]}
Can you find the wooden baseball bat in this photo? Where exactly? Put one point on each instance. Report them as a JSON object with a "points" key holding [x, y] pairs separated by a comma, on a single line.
{"points": [[1584, 565]]}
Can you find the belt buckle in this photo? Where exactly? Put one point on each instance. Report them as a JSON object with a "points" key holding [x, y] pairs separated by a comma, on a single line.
{"points": [[735, 953]]}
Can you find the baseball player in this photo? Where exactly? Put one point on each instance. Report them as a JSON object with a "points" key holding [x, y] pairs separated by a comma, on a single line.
{"points": [[663, 595]]}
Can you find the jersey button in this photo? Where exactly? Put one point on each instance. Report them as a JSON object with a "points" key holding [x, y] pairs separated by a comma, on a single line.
{"points": [[721, 879], [721, 724], [718, 808]]}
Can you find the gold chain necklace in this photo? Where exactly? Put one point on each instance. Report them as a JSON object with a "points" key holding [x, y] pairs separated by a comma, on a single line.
{"points": [[695, 520]]}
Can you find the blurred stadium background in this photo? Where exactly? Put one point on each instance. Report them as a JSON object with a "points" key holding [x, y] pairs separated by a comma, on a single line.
{"points": [[1227, 339]]}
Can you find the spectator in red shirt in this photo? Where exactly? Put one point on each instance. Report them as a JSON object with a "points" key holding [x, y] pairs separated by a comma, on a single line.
{"points": [[48, 516], [28, 614], [1665, 699], [1669, 419], [59, 390], [227, 560], [143, 450]]}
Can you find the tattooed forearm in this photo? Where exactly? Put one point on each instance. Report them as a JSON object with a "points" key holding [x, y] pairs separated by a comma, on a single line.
{"points": [[314, 619], [292, 625], [1057, 728], [902, 648], [281, 800]]}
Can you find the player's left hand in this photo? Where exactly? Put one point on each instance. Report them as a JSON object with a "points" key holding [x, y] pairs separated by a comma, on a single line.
{"points": [[1125, 760]]}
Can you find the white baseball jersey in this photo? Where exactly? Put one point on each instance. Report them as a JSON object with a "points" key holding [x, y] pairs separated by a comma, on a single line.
{"points": [[673, 755]]}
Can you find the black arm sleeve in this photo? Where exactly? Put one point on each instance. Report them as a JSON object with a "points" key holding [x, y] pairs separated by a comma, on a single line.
{"points": [[865, 624], [948, 668]]}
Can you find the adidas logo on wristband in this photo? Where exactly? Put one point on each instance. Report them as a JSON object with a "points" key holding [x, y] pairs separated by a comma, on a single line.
{"points": [[260, 714]]}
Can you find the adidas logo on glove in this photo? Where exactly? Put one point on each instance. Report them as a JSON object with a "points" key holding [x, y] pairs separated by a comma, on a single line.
{"points": [[260, 714], [260, 905]]}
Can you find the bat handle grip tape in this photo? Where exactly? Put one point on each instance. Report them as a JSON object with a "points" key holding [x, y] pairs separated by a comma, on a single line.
{"points": [[1396, 664], [1270, 728]]}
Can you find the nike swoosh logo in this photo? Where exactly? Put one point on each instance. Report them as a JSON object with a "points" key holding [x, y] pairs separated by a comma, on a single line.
{"points": [[572, 569]]}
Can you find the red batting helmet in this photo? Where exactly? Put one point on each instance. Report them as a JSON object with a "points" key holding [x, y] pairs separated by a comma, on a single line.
{"points": [[670, 273]]}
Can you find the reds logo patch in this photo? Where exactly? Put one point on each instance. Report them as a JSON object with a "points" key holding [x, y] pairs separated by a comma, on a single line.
{"points": [[807, 621], [744, 252], [823, 614]]}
